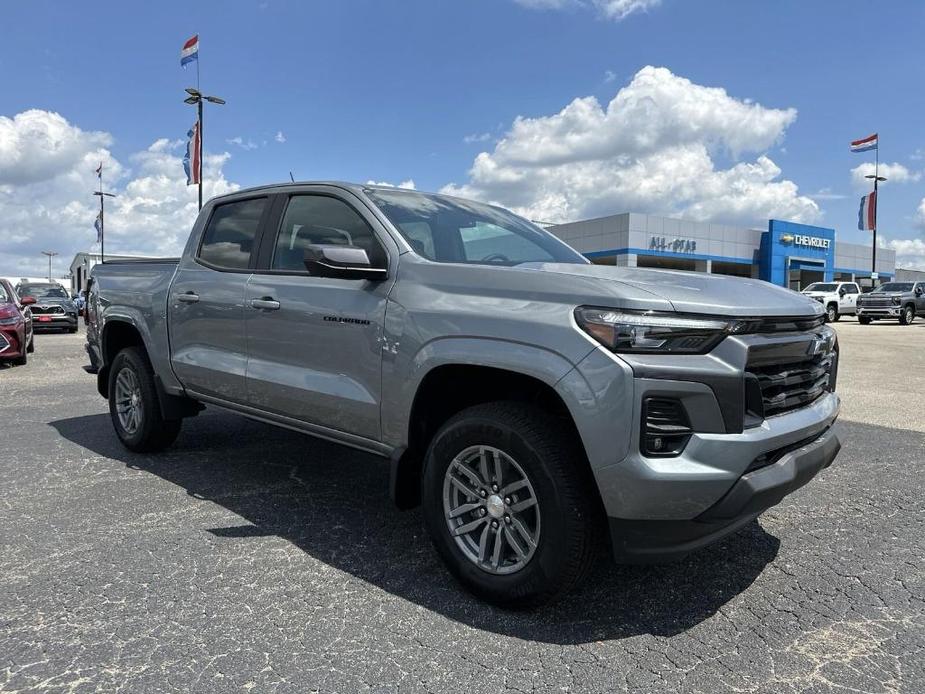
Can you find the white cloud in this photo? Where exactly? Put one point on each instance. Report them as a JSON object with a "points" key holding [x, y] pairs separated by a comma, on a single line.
{"points": [[51, 207], [608, 9], [239, 141], [910, 253], [610, 76], [409, 184], [826, 194], [38, 145], [651, 149], [620, 9], [476, 137], [279, 137], [894, 173]]}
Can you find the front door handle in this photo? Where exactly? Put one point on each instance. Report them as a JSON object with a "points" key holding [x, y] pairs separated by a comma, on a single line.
{"points": [[188, 297], [266, 303]]}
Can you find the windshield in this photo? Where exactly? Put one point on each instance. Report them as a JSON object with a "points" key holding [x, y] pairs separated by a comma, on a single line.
{"points": [[451, 230], [820, 287], [43, 291], [895, 287]]}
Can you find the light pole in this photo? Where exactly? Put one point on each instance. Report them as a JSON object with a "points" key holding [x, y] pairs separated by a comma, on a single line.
{"points": [[196, 97], [877, 178], [103, 196], [50, 254]]}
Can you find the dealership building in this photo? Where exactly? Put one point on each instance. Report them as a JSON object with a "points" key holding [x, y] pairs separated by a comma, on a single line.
{"points": [[786, 253]]}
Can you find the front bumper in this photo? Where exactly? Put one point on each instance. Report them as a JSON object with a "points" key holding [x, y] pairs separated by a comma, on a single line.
{"points": [[880, 311], [654, 541], [733, 466], [55, 321], [12, 342]]}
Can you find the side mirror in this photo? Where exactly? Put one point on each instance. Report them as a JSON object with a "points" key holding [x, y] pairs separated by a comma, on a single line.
{"points": [[341, 262], [26, 301], [919, 290]]}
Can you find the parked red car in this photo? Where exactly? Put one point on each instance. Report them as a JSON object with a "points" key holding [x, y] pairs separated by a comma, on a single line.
{"points": [[16, 339]]}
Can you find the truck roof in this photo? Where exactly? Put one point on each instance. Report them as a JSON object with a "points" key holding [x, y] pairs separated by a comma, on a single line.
{"points": [[346, 185]]}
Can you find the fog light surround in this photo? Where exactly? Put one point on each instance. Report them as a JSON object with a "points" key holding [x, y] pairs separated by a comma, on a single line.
{"points": [[666, 428]]}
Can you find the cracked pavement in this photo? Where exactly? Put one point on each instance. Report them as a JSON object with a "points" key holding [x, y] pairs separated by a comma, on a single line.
{"points": [[249, 558]]}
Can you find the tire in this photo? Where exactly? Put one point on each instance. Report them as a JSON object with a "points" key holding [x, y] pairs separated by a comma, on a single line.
{"points": [[72, 330], [831, 313], [908, 315], [864, 320], [564, 520], [21, 360], [30, 348], [147, 431]]}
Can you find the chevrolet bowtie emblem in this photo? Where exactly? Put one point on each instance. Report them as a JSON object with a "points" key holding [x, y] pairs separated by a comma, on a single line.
{"points": [[786, 238]]}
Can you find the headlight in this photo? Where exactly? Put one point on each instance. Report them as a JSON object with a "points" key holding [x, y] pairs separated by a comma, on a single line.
{"points": [[896, 300], [628, 331]]}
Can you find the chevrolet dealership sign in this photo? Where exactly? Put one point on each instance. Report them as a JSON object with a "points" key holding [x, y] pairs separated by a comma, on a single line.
{"points": [[806, 241]]}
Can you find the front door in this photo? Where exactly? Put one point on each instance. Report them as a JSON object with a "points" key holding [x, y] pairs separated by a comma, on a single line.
{"points": [[206, 302], [847, 303], [314, 343]]}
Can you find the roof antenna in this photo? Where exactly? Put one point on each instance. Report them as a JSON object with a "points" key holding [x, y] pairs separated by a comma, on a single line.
{"points": [[291, 178]]}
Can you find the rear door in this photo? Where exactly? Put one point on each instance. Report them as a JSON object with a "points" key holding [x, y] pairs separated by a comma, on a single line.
{"points": [[314, 343], [206, 300]]}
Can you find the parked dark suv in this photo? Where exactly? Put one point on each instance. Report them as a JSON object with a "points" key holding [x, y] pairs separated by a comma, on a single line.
{"points": [[53, 308], [902, 300]]}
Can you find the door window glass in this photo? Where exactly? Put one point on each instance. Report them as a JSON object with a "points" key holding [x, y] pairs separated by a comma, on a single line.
{"points": [[228, 241], [322, 220]]}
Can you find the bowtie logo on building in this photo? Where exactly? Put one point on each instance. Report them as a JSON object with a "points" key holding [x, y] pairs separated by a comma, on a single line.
{"points": [[786, 238]]}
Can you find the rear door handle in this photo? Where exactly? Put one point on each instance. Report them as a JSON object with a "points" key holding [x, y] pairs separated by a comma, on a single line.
{"points": [[188, 297], [267, 303]]}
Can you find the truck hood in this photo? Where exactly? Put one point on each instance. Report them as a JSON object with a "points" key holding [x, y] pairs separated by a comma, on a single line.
{"points": [[694, 292]]}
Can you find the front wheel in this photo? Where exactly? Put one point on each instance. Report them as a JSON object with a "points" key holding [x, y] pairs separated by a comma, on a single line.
{"points": [[907, 315], [31, 346], [864, 320], [134, 406], [831, 313], [510, 505]]}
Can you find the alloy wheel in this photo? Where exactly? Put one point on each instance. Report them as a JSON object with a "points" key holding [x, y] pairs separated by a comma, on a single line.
{"points": [[491, 509], [129, 407]]}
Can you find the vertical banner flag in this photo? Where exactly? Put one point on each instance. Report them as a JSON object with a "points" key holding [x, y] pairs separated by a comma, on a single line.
{"points": [[99, 171], [191, 163], [98, 225], [865, 144], [867, 214], [190, 51]]}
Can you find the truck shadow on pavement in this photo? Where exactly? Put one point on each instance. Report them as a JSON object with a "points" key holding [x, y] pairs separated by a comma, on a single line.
{"points": [[333, 503]]}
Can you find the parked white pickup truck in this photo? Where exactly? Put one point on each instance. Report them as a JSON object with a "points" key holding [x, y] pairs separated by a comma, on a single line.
{"points": [[838, 298]]}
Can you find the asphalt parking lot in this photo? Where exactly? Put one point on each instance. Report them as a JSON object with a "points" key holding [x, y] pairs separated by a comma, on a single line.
{"points": [[248, 558]]}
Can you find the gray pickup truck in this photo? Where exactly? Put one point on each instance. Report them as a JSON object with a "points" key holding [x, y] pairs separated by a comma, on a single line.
{"points": [[901, 301], [535, 405]]}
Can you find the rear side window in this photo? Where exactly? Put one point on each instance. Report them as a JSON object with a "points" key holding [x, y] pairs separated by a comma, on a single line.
{"points": [[322, 220], [228, 241]]}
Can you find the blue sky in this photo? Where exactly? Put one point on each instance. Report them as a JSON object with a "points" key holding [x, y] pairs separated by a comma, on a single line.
{"points": [[417, 89]]}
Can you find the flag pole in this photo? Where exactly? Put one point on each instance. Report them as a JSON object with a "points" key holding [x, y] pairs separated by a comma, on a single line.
{"points": [[873, 255]]}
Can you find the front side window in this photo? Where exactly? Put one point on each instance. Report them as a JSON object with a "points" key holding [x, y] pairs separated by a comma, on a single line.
{"points": [[313, 220], [228, 241], [452, 230]]}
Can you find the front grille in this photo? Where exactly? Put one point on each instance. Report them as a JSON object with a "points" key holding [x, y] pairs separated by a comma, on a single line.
{"points": [[44, 310], [872, 302], [785, 324], [791, 385]]}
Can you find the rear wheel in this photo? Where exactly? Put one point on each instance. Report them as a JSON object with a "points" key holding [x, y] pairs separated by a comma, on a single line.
{"points": [[134, 406], [510, 505], [907, 315], [831, 313]]}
